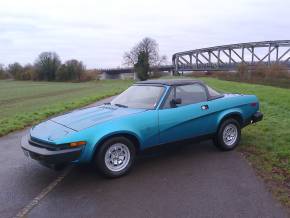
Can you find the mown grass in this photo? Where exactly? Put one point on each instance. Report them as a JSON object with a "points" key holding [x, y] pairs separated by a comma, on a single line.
{"points": [[25, 103], [267, 143]]}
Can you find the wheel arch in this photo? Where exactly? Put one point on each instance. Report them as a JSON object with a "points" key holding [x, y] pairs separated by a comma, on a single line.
{"points": [[129, 135], [234, 115]]}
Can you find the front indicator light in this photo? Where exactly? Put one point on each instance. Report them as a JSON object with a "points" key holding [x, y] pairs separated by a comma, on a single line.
{"points": [[76, 144]]}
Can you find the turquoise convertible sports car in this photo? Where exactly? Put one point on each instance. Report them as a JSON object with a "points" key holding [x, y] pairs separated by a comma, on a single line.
{"points": [[147, 114]]}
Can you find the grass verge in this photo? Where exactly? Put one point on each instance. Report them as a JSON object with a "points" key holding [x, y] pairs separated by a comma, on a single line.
{"points": [[266, 144], [25, 103]]}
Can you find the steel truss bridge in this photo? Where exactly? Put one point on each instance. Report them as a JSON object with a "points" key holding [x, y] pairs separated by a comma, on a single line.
{"points": [[222, 58], [228, 57]]}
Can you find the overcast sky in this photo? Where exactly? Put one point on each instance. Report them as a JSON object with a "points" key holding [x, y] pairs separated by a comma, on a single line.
{"points": [[98, 32]]}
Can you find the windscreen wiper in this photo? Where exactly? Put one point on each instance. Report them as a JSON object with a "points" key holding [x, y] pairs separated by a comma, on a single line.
{"points": [[121, 105]]}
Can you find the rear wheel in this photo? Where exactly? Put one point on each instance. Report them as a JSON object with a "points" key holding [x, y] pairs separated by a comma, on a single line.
{"points": [[115, 157], [228, 135]]}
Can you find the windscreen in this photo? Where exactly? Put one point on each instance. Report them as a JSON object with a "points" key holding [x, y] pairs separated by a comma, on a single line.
{"points": [[212, 92], [139, 96]]}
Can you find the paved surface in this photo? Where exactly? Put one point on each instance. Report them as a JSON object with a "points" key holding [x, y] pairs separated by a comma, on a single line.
{"points": [[192, 180]]}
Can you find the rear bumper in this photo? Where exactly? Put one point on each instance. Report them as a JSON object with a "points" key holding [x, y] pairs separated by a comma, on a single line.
{"points": [[49, 157], [258, 116]]}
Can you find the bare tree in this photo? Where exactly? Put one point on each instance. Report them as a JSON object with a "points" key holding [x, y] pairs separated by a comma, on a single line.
{"points": [[148, 47]]}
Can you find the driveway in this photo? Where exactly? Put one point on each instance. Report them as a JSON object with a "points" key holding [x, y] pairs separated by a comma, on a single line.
{"points": [[190, 180]]}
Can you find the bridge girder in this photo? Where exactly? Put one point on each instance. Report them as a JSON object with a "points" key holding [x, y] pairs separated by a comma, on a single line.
{"points": [[131, 69], [228, 57]]}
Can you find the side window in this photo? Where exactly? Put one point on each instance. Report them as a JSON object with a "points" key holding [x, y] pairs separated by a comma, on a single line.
{"points": [[191, 94], [168, 99]]}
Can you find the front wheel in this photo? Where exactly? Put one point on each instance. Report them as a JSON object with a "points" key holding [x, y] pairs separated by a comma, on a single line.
{"points": [[115, 157], [228, 135]]}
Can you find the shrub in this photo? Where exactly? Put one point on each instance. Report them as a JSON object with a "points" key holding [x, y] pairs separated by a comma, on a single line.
{"points": [[15, 70], [62, 73], [72, 70], [243, 71], [157, 74], [75, 69], [277, 71], [90, 75], [263, 71], [3, 74], [276, 75], [29, 73], [260, 71], [142, 66], [19, 72], [47, 65]]}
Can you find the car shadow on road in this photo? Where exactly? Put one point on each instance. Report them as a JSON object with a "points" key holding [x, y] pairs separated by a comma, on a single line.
{"points": [[162, 158]]}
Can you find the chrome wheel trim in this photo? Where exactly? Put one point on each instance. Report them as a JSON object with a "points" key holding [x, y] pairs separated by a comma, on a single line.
{"points": [[230, 134], [117, 157]]}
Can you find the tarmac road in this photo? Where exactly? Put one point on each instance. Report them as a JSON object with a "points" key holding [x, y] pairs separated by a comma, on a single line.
{"points": [[192, 180]]}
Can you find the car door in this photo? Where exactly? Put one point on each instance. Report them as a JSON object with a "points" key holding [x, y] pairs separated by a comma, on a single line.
{"points": [[188, 119]]}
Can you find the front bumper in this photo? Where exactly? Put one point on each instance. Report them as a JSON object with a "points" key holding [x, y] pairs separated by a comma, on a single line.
{"points": [[49, 157], [258, 116]]}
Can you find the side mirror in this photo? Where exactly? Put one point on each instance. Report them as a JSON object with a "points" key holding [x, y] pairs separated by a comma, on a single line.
{"points": [[175, 102]]}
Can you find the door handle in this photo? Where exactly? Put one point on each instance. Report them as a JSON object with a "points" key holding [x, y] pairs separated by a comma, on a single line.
{"points": [[204, 107]]}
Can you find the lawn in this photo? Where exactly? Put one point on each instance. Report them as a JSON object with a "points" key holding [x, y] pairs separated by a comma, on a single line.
{"points": [[267, 143], [24, 103]]}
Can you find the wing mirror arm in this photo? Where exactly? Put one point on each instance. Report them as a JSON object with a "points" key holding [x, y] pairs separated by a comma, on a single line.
{"points": [[174, 102]]}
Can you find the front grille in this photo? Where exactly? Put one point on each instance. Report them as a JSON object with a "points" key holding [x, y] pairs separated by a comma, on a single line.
{"points": [[41, 144]]}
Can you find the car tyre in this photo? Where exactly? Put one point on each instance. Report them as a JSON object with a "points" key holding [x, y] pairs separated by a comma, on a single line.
{"points": [[115, 157], [228, 135]]}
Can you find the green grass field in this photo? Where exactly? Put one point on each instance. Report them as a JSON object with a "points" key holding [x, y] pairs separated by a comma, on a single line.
{"points": [[267, 143], [24, 103]]}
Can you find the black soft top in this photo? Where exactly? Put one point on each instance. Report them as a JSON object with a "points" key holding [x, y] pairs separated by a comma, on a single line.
{"points": [[170, 82]]}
